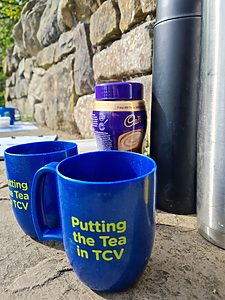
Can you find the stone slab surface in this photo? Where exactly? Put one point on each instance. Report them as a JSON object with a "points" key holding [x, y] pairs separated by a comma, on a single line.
{"points": [[183, 265]]}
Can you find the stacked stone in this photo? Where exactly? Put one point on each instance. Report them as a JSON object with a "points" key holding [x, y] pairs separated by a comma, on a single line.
{"points": [[63, 47]]}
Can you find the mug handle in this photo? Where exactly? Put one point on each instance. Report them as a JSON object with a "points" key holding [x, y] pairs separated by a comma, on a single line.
{"points": [[43, 232], [19, 118]]}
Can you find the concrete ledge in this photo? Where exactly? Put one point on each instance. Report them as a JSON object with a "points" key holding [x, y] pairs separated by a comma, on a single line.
{"points": [[183, 265]]}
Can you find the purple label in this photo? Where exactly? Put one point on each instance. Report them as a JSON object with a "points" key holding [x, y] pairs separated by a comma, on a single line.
{"points": [[119, 130]]}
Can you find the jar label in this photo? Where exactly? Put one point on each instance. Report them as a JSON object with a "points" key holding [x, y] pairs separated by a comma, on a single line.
{"points": [[119, 125]]}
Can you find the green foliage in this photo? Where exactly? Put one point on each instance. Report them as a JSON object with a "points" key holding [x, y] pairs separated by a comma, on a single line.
{"points": [[2, 101], [9, 14], [11, 8]]}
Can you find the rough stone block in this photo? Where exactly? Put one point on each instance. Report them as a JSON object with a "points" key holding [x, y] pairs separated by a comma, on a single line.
{"points": [[7, 65], [6, 95], [21, 104], [20, 70], [39, 114], [21, 88], [16, 57], [18, 36], [39, 71], [12, 92], [45, 58], [83, 115], [30, 20], [10, 62], [104, 23], [8, 82], [29, 108], [130, 56], [59, 95], [83, 71], [101, 1], [65, 45], [84, 9], [66, 14], [49, 30], [148, 6], [35, 89], [11, 81], [28, 67], [131, 13]]}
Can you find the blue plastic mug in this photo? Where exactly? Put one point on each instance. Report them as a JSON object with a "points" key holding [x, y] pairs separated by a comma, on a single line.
{"points": [[22, 162], [107, 212], [10, 112]]}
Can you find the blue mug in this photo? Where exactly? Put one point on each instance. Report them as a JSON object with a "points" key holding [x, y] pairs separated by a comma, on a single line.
{"points": [[10, 112], [107, 212], [22, 162]]}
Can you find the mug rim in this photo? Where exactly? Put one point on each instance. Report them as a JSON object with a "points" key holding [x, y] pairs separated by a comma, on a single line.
{"points": [[72, 144], [125, 181]]}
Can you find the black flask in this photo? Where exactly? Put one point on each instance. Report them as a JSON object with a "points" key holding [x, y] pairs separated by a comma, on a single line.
{"points": [[175, 103]]}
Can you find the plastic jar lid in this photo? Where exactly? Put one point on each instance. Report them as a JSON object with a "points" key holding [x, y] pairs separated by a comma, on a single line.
{"points": [[119, 91]]}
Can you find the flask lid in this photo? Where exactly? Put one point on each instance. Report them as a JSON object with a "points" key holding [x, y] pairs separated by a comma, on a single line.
{"points": [[119, 91], [171, 9]]}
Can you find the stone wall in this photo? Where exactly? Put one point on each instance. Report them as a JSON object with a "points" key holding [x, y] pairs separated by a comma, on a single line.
{"points": [[63, 47]]}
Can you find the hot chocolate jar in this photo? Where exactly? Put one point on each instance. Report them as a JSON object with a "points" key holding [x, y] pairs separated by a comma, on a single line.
{"points": [[119, 116]]}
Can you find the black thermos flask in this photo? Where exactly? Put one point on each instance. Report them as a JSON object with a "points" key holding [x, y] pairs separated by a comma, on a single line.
{"points": [[175, 103]]}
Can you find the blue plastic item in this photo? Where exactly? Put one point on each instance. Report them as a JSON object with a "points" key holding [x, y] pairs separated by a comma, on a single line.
{"points": [[9, 112], [107, 212], [22, 162]]}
